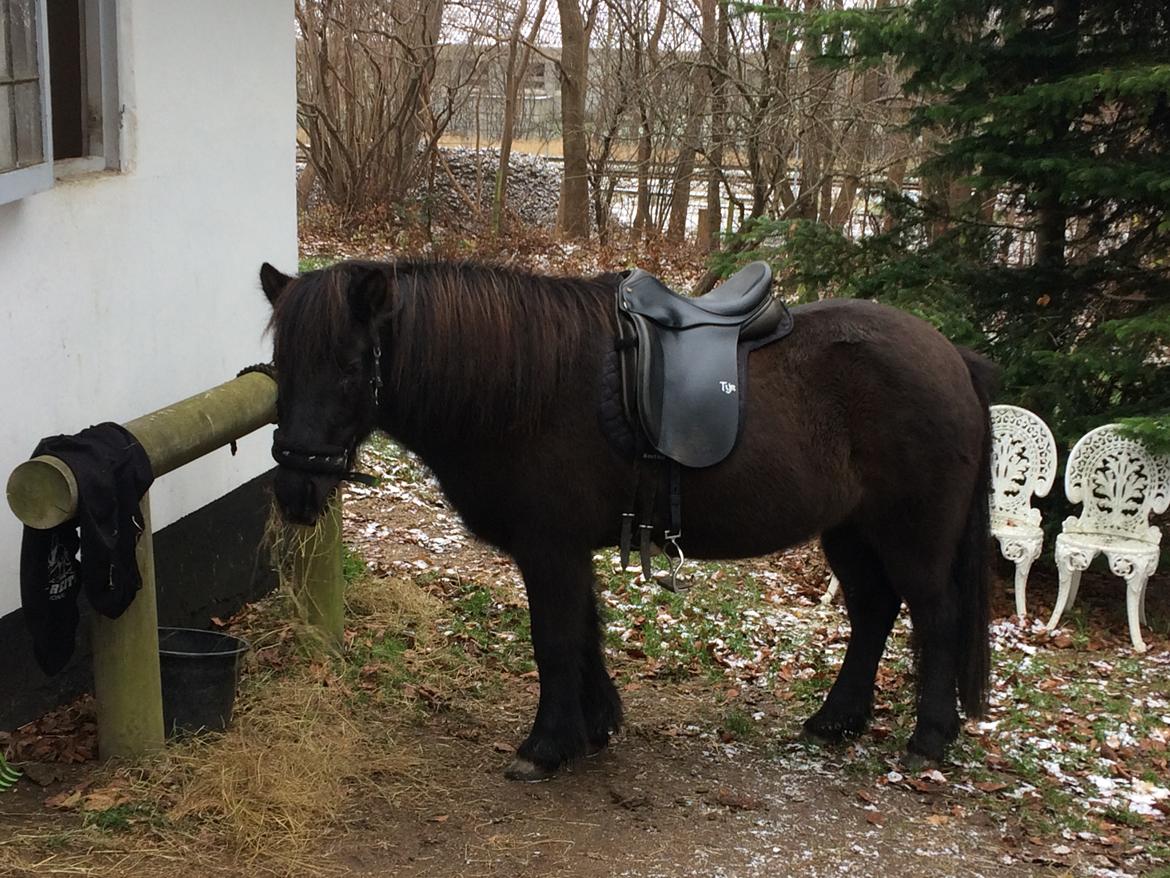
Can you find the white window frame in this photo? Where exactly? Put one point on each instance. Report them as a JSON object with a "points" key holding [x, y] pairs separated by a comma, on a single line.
{"points": [[21, 182], [100, 100]]}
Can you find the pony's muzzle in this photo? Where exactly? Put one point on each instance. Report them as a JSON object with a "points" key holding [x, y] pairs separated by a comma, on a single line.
{"points": [[301, 497]]}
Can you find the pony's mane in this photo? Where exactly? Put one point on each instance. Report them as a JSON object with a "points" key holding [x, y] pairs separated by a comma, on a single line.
{"points": [[469, 346]]}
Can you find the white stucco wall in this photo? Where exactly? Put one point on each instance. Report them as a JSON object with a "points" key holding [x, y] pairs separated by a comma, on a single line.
{"points": [[122, 292]]}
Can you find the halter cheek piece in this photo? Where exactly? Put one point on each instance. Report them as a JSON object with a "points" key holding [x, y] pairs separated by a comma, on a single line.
{"points": [[330, 460]]}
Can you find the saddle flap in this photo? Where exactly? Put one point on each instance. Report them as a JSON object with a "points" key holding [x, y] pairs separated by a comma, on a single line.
{"points": [[689, 393]]}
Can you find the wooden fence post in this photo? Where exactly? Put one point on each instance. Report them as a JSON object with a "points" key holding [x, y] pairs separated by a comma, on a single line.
{"points": [[317, 577], [43, 493], [126, 682]]}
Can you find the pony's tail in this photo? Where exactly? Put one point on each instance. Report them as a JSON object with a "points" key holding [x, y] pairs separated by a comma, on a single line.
{"points": [[972, 574]]}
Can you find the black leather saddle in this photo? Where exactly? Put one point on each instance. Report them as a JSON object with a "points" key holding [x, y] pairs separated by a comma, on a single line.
{"points": [[681, 358]]}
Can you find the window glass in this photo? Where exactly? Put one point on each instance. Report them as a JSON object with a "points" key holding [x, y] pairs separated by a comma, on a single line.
{"points": [[7, 144], [4, 71], [30, 149], [22, 140], [22, 32]]}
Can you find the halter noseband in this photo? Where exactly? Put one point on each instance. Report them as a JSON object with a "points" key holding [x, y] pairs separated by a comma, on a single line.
{"points": [[326, 460], [330, 460]]}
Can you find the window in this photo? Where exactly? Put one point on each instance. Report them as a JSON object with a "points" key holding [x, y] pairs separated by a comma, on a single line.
{"points": [[25, 163], [65, 122]]}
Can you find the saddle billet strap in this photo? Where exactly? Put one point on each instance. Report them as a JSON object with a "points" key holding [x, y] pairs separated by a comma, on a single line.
{"points": [[674, 535], [647, 499]]}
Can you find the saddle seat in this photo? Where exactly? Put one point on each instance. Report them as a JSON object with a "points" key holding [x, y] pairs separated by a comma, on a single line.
{"points": [[681, 358], [732, 302]]}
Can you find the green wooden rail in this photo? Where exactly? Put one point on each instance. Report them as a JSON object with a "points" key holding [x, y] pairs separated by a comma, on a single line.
{"points": [[42, 493]]}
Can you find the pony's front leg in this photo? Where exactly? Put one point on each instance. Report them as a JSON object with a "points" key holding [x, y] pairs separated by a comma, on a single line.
{"points": [[560, 604]]}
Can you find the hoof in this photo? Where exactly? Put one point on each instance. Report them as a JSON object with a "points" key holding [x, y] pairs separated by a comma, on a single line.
{"points": [[527, 771], [916, 763], [830, 732], [810, 737]]}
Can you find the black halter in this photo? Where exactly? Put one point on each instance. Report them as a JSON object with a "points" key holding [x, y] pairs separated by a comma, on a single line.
{"points": [[330, 460]]}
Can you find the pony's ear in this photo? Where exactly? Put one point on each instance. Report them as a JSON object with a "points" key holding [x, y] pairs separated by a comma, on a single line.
{"points": [[273, 282], [368, 294]]}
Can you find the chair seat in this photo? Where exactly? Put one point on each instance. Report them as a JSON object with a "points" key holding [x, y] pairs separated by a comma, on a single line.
{"points": [[1014, 527], [1106, 543]]}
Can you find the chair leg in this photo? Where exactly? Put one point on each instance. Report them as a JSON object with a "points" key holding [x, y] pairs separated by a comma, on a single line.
{"points": [[1135, 594], [1023, 567], [830, 592], [1070, 580]]}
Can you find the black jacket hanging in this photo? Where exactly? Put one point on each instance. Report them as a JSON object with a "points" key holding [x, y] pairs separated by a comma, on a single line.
{"points": [[113, 473]]}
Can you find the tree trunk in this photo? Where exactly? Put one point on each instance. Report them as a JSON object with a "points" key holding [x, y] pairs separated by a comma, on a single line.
{"points": [[680, 195], [814, 133], [423, 40], [646, 123], [513, 78], [895, 180], [1052, 216], [573, 70], [718, 130]]}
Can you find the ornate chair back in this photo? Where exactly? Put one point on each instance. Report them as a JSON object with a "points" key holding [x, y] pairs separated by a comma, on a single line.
{"points": [[1120, 484], [1023, 465]]}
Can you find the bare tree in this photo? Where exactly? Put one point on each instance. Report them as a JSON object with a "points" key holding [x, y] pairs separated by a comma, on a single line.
{"points": [[364, 73], [573, 69], [513, 77], [684, 169]]}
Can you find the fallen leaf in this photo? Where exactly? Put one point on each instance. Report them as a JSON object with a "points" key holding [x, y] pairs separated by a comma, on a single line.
{"points": [[991, 786], [65, 801], [738, 801]]}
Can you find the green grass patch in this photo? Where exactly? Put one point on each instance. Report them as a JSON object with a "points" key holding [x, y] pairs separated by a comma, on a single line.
{"points": [[312, 263], [122, 817], [738, 723]]}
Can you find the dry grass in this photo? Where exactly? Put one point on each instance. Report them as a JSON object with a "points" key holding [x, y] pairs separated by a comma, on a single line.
{"points": [[268, 797], [392, 603], [270, 787]]}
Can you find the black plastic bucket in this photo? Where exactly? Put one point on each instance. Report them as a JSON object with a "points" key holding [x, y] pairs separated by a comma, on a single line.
{"points": [[199, 673]]}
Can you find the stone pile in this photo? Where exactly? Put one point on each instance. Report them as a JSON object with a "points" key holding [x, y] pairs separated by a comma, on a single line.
{"points": [[534, 186]]}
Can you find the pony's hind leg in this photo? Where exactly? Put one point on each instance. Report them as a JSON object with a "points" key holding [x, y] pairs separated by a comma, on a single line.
{"points": [[560, 605], [873, 606], [934, 613]]}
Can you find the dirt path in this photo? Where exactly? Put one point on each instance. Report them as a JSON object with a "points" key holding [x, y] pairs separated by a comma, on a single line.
{"points": [[409, 732], [661, 805]]}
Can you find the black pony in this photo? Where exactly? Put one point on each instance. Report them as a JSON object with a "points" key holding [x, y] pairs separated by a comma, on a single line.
{"points": [[865, 426]]}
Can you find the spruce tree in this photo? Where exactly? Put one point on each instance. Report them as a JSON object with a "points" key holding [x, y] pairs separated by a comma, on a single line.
{"points": [[1042, 234]]}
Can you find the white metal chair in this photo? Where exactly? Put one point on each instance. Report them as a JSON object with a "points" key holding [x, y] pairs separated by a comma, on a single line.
{"points": [[1120, 484], [1023, 465], [831, 592]]}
